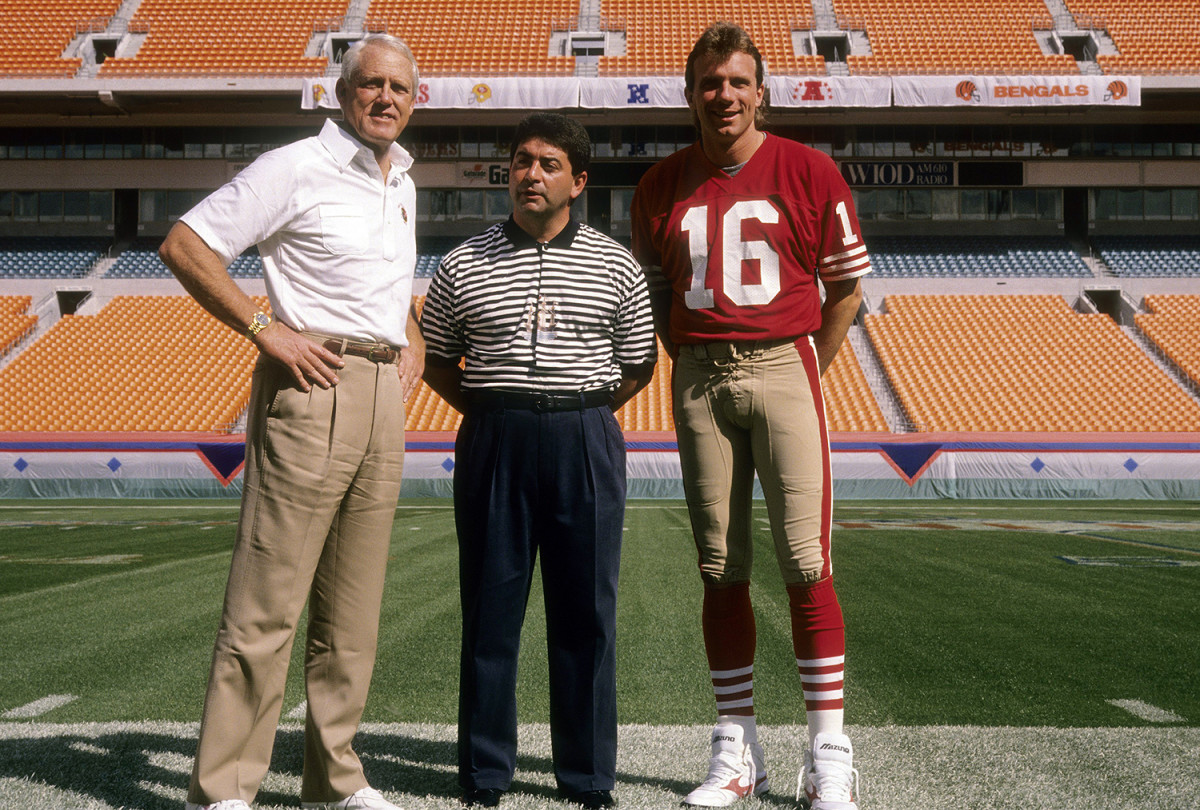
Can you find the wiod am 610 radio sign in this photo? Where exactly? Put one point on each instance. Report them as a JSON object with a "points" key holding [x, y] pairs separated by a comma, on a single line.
{"points": [[900, 173]]}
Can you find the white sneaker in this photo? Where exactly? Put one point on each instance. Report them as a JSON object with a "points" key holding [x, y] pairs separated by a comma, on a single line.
{"points": [[733, 770], [365, 799], [828, 780], [224, 804]]}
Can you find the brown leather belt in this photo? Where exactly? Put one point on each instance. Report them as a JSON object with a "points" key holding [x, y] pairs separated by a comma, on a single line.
{"points": [[375, 352]]}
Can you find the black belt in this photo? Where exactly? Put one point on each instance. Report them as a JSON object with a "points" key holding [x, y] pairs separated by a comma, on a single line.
{"points": [[539, 402]]}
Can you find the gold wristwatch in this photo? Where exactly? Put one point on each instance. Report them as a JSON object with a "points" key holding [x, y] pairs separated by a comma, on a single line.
{"points": [[259, 322]]}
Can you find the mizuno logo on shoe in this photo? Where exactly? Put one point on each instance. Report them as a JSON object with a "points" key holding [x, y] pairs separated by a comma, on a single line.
{"points": [[723, 738], [737, 786], [833, 747]]}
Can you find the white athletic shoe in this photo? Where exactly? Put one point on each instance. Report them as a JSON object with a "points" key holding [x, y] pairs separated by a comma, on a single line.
{"points": [[733, 770], [828, 780], [224, 804], [365, 799]]}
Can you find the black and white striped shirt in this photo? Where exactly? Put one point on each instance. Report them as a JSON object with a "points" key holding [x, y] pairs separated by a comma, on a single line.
{"points": [[562, 316]]}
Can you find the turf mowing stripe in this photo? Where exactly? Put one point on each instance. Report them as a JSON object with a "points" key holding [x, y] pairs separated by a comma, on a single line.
{"points": [[39, 707], [1146, 711]]}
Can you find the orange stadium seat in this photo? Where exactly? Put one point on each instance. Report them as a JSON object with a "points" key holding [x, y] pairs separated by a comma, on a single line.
{"points": [[15, 320], [195, 378], [1138, 30], [226, 37], [658, 36], [481, 37], [1021, 363], [933, 37], [1172, 323], [36, 32]]}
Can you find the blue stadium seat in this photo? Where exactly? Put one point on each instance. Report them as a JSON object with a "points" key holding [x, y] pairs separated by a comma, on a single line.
{"points": [[974, 257], [1151, 256], [49, 256]]}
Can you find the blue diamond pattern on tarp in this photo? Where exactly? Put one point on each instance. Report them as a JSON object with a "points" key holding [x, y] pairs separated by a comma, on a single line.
{"points": [[1038, 465], [20, 464], [113, 464], [448, 464], [1130, 465]]}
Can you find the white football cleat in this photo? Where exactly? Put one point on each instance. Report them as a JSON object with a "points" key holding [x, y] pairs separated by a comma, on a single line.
{"points": [[224, 804], [366, 799], [732, 771], [828, 780]]}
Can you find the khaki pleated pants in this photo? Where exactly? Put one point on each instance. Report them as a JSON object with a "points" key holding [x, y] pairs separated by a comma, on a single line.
{"points": [[322, 479]]}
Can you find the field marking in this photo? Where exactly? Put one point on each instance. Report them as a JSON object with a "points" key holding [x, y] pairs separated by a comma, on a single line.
{"points": [[910, 767], [1147, 711], [298, 713], [39, 707]]}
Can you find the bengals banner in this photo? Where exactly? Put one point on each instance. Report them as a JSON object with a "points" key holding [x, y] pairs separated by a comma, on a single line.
{"points": [[500, 93], [830, 91], [1016, 91]]}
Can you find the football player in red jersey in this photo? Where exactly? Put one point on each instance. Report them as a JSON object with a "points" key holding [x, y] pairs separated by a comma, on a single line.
{"points": [[739, 234]]}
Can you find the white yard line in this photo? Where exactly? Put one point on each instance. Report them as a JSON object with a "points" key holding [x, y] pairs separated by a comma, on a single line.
{"points": [[38, 707], [1146, 711]]}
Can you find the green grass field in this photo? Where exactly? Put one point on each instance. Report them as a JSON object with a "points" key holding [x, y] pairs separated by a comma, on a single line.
{"points": [[1000, 654]]}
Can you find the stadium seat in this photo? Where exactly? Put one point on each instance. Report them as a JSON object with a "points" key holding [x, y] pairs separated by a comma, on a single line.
{"points": [[225, 37], [989, 37], [195, 377], [1172, 323], [480, 37], [1139, 31], [49, 256], [1021, 363]]}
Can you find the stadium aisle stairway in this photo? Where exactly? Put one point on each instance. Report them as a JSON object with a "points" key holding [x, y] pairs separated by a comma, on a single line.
{"points": [[1172, 323], [108, 372], [1021, 363]]}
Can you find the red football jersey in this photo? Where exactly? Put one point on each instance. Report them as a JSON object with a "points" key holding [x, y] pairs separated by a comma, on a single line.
{"points": [[742, 253]]}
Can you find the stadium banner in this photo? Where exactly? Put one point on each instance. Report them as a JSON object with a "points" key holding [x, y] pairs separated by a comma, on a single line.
{"points": [[615, 93], [830, 91], [497, 93], [1163, 467], [1016, 91], [317, 94]]}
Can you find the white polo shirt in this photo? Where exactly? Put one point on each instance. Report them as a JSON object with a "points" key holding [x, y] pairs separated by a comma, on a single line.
{"points": [[337, 242]]}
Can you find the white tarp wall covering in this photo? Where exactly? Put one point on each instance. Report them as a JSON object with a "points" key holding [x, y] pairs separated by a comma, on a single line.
{"points": [[866, 466], [614, 93]]}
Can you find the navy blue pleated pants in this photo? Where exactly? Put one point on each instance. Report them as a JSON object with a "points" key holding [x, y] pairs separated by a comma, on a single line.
{"points": [[551, 483]]}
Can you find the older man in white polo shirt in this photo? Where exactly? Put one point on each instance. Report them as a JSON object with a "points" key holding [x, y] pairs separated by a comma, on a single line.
{"points": [[333, 217]]}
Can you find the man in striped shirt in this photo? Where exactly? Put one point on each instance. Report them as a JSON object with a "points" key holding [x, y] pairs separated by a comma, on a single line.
{"points": [[553, 320], [739, 233]]}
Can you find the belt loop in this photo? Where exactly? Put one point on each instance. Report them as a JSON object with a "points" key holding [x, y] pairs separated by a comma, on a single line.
{"points": [[342, 352]]}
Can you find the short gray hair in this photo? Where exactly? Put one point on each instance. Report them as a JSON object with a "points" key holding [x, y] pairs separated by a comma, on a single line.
{"points": [[353, 55]]}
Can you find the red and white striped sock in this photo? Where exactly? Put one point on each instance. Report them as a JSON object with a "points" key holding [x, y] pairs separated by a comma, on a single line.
{"points": [[819, 641], [729, 640]]}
